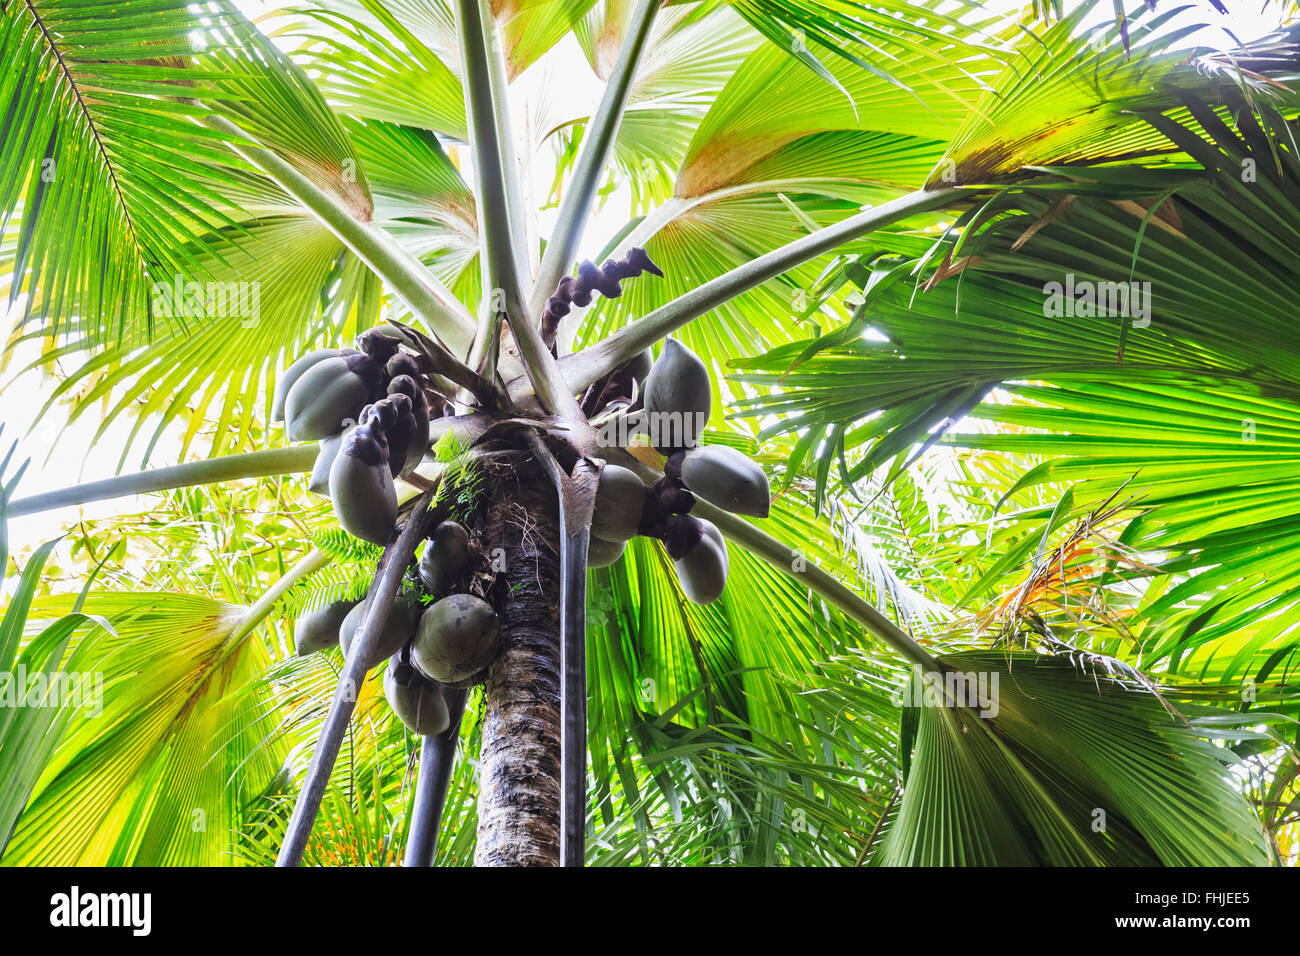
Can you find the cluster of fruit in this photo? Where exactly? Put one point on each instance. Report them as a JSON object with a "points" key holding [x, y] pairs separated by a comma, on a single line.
{"points": [[676, 402], [448, 643], [370, 409]]}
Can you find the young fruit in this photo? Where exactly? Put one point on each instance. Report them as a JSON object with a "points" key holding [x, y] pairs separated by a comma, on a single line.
{"points": [[403, 363], [361, 487], [457, 637], [400, 430], [723, 476], [620, 496], [381, 344], [319, 629], [418, 442], [601, 554], [397, 630], [292, 374], [677, 397], [446, 557], [324, 400], [418, 703]]}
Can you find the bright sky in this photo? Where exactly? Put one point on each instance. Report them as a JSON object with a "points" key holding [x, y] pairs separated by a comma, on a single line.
{"points": [[61, 454]]}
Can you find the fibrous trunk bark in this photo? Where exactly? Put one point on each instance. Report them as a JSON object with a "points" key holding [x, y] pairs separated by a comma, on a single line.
{"points": [[519, 787]]}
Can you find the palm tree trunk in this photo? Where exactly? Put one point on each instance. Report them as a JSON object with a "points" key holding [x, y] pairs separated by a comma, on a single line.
{"points": [[519, 786]]}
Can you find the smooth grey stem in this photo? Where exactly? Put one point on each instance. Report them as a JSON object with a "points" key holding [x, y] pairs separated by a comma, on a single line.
{"points": [[575, 535], [254, 464], [573, 692], [496, 226], [506, 143], [379, 604], [497, 189], [484, 354], [437, 755], [598, 360], [597, 144]]}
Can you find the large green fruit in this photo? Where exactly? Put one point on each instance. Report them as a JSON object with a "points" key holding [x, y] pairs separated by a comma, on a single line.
{"points": [[319, 483], [457, 637], [723, 476], [601, 554], [445, 559], [418, 703], [365, 501], [292, 374], [712, 533], [397, 630], [319, 629], [639, 366], [702, 571], [620, 496], [678, 398], [326, 399]]}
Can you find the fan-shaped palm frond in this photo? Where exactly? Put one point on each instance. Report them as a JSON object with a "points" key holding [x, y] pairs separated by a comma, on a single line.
{"points": [[1197, 412], [166, 676], [102, 130], [1065, 771], [42, 685]]}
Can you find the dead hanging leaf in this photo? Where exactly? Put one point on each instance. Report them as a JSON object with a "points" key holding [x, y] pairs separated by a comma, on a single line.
{"points": [[949, 268], [1052, 212], [1166, 217]]}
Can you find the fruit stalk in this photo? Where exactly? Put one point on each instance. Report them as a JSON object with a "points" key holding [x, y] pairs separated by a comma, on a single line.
{"points": [[437, 755], [388, 579]]}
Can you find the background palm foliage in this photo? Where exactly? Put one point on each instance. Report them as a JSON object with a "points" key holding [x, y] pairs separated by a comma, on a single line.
{"points": [[1097, 511], [36, 711]]}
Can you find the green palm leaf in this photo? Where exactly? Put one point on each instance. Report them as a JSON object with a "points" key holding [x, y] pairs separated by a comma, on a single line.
{"points": [[167, 800], [41, 684], [1070, 771]]}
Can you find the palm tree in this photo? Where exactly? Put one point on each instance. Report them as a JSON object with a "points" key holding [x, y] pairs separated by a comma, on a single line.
{"points": [[856, 211]]}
